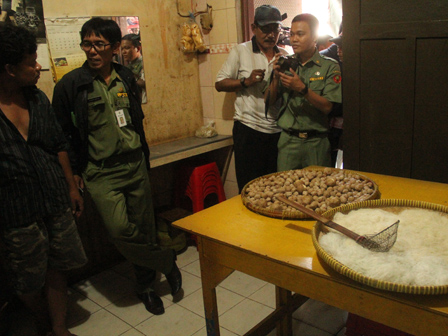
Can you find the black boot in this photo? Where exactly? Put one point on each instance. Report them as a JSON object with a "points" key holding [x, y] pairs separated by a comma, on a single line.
{"points": [[174, 278], [153, 303]]}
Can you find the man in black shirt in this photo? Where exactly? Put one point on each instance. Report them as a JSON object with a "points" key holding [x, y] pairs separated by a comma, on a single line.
{"points": [[38, 194]]}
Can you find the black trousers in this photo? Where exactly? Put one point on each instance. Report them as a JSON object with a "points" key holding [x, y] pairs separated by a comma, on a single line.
{"points": [[255, 153]]}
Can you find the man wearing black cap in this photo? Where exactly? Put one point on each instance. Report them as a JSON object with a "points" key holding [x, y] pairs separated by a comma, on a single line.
{"points": [[324, 42], [246, 72], [338, 42], [332, 51]]}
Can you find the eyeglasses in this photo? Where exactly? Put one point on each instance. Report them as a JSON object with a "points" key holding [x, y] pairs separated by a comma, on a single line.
{"points": [[98, 46], [270, 29]]}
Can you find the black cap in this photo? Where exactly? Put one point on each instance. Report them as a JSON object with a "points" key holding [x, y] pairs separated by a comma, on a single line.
{"points": [[337, 40], [267, 14]]}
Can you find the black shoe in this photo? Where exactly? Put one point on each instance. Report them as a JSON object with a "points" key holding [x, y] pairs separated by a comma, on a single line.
{"points": [[153, 303], [174, 279]]}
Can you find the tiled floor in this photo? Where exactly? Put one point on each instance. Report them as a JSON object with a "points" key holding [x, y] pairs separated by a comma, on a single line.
{"points": [[106, 305]]}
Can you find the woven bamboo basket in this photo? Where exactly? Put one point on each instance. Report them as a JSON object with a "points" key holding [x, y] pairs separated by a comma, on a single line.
{"points": [[296, 214], [392, 205]]}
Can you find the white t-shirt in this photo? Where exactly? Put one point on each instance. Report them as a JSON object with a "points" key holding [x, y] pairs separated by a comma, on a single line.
{"points": [[249, 103]]}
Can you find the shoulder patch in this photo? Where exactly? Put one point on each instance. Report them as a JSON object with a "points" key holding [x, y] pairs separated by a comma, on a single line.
{"points": [[337, 79]]}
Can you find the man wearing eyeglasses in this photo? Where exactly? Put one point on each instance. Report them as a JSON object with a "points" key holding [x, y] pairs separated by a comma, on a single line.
{"points": [[246, 72], [98, 107]]}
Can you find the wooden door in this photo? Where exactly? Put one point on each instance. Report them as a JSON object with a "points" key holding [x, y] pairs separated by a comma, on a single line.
{"points": [[396, 87]]}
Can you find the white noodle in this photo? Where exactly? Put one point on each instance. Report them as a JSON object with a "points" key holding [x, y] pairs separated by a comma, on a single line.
{"points": [[418, 258]]}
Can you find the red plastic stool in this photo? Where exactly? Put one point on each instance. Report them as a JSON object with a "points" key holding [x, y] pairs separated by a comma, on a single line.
{"points": [[204, 180]]}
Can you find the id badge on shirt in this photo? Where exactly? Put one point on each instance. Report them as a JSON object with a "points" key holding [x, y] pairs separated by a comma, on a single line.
{"points": [[121, 119]]}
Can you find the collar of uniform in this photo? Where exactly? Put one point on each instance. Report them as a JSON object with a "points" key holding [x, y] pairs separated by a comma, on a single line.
{"points": [[256, 48], [113, 74], [316, 58]]}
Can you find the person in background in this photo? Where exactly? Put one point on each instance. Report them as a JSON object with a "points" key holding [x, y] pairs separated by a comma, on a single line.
{"points": [[332, 50], [246, 72], [98, 107], [324, 42], [310, 90], [336, 118], [39, 196], [338, 42], [131, 50]]}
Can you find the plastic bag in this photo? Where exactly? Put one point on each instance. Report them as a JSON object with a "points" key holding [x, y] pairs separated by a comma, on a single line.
{"points": [[186, 42], [191, 39], [207, 131], [197, 37]]}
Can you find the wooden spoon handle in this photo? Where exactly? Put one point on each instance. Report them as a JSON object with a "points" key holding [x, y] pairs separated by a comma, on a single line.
{"points": [[303, 209], [320, 218]]}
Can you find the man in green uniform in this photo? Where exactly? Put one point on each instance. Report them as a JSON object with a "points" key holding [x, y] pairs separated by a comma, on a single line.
{"points": [[309, 92], [99, 109], [131, 50]]}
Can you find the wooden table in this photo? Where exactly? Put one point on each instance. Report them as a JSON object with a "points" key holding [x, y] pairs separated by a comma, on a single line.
{"points": [[231, 237]]}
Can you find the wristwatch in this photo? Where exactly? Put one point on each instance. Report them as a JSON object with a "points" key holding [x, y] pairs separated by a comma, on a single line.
{"points": [[242, 82], [305, 90]]}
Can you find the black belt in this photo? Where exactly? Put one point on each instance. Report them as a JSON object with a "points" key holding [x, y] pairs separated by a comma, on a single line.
{"points": [[305, 134], [118, 159]]}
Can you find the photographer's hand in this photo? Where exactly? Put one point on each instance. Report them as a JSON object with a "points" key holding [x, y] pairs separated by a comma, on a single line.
{"points": [[292, 82]]}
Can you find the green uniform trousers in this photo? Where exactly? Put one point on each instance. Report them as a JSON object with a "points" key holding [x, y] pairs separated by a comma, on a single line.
{"points": [[122, 195], [297, 153]]}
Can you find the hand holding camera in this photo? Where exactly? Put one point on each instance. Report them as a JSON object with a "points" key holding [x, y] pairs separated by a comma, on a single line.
{"points": [[288, 62], [284, 63], [293, 81]]}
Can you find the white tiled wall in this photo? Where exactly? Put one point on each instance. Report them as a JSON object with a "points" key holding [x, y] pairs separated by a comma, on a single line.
{"points": [[219, 106]]}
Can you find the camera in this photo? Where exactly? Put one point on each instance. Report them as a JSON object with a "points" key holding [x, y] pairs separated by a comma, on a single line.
{"points": [[287, 62]]}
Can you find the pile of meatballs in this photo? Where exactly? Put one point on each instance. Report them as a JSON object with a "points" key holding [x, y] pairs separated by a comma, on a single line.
{"points": [[317, 189]]}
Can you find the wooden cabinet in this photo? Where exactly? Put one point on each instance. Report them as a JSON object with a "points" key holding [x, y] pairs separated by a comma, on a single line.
{"points": [[395, 84]]}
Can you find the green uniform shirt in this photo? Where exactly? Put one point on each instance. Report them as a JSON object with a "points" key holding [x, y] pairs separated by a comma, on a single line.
{"points": [[110, 128], [323, 76], [136, 67]]}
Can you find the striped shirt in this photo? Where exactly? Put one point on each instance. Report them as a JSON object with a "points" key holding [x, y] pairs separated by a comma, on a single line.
{"points": [[32, 183]]}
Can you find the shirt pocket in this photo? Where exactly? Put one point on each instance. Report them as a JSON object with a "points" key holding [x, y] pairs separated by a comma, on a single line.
{"points": [[96, 108], [122, 102], [317, 85]]}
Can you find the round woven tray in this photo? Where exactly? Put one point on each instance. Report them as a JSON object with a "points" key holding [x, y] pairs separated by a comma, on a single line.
{"points": [[295, 214], [392, 205]]}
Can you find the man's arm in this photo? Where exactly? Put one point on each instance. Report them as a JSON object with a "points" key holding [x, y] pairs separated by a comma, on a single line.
{"points": [[73, 184], [229, 79], [63, 109], [234, 85]]}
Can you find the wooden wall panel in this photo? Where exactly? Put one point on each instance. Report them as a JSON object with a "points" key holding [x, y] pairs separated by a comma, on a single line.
{"points": [[380, 11], [396, 87], [430, 152], [385, 108]]}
